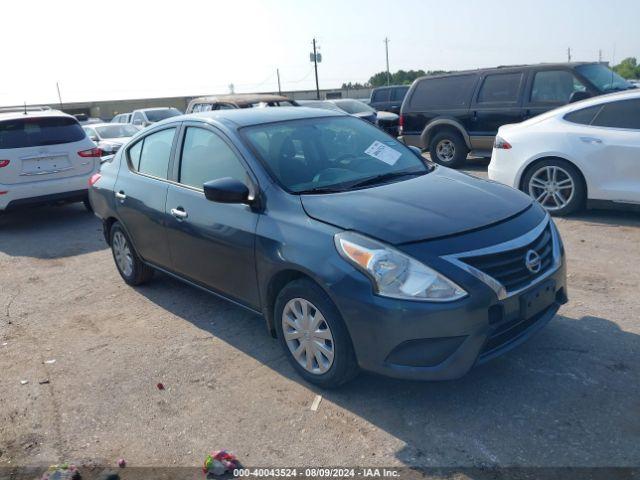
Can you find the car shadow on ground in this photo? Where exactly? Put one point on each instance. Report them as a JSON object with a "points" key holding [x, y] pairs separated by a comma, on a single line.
{"points": [[621, 218], [50, 232], [562, 398]]}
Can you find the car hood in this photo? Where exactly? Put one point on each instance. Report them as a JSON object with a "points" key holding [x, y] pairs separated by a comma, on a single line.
{"points": [[441, 203]]}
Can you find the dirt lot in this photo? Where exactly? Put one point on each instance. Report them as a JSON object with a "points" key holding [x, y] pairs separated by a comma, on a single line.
{"points": [[568, 397]]}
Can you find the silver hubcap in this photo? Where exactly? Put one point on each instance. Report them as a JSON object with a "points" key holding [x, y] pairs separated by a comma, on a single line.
{"points": [[121, 251], [446, 150], [308, 336], [552, 186]]}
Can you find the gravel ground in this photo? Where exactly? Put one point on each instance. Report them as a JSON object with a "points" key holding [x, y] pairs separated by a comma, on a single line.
{"points": [[568, 397]]}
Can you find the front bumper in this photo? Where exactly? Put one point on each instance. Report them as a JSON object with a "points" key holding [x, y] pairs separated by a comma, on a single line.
{"points": [[419, 341], [441, 341]]}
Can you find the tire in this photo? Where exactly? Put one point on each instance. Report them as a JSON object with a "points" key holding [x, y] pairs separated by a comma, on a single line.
{"points": [[565, 195], [87, 204], [343, 366], [448, 149], [135, 272]]}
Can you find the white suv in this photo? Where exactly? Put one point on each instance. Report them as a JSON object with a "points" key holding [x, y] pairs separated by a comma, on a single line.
{"points": [[45, 157]]}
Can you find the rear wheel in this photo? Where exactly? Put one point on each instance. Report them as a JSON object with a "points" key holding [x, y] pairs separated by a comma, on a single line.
{"points": [[313, 335], [556, 185], [448, 148], [131, 268]]}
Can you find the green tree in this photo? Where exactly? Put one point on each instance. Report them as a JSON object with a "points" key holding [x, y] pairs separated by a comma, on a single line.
{"points": [[401, 77], [628, 68]]}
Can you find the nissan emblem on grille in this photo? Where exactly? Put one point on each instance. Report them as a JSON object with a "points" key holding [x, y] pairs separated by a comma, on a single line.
{"points": [[532, 261]]}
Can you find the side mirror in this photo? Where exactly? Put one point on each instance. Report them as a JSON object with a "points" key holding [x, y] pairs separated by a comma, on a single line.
{"points": [[93, 138], [577, 96], [416, 150], [226, 190]]}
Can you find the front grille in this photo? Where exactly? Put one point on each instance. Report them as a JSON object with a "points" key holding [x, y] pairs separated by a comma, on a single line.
{"points": [[508, 267]]}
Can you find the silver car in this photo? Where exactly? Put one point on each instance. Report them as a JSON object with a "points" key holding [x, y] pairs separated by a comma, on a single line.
{"points": [[109, 137]]}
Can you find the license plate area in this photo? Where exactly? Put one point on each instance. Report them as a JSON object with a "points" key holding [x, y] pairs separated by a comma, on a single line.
{"points": [[45, 165], [538, 299]]}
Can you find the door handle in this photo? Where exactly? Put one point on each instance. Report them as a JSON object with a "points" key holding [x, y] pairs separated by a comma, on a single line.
{"points": [[591, 140], [179, 213], [120, 195]]}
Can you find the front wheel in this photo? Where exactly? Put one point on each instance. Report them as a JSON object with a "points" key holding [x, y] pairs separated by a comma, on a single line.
{"points": [[313, 335], [556, 185]]}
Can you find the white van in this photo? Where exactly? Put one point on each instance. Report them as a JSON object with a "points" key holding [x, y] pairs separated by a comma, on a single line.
{"points": [[45, 157]]}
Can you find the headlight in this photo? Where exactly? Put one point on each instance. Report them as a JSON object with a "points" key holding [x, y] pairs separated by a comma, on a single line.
{"points": [[394, 274]]}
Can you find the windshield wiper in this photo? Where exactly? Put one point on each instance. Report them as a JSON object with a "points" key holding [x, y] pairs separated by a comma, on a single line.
{"points": [[323, 190], [384, 177]]}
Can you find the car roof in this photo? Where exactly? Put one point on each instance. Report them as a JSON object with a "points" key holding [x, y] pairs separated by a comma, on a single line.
{"points": [[152, 108], [385, 87], [34, 114], [241, 99], [243, 117], [507, 68], [104, 124]]}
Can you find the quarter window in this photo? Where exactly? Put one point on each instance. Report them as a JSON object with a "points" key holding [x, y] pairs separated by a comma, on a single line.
{"points": [[501, 88], [205, 157], [621, 114], [555, 86], [151, 154], [381, 95], [452, 91], [583, 116]]}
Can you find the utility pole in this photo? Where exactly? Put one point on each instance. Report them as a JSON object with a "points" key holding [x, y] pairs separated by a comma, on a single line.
{"points": [[315, 65], [59, 96], [600, 56], [569, 54], [279, 89], [386, 50]]}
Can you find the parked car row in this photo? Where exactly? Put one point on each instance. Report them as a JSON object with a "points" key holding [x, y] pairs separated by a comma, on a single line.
{"points": [[455, 114], [387, 121]]}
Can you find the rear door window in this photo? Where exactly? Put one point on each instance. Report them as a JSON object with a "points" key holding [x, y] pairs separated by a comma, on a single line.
{"points": [[37, 132], [151, 154], [621, 114], [397, 94], [451, 92], [555, 87], [500, 88]]}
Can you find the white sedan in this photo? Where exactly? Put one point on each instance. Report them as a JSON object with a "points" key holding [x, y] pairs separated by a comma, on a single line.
{"points": [[589, 150]]}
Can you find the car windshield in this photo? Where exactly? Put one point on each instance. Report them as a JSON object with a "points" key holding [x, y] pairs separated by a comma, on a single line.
{"points": [[157, 115], [116, 131], [353, 106], [603, 78], [319, 155]]}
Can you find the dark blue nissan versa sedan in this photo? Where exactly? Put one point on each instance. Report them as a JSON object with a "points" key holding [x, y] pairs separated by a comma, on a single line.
{"points": [[357, 252]]}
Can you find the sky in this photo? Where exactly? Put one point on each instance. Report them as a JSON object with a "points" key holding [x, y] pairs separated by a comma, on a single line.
{"points": [[115, 49]]}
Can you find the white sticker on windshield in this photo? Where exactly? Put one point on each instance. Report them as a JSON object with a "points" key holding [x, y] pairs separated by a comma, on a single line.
{"points": [[383, 153]]}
